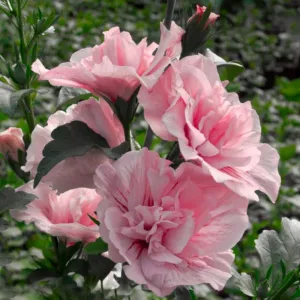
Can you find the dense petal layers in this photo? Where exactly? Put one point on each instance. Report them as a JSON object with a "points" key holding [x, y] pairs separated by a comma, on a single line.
{"points": [[172, 227], [190, 104], [117, 66], [64, 215]]}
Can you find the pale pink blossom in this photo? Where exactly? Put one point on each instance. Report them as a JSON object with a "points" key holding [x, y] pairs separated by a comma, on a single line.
{"points": [[11, 140], [64, 216], [190, 104], [117, 66], [200, 10], [78, 171], [172, 227]]}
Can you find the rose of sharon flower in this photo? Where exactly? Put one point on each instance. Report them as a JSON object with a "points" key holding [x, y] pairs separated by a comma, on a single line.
{"points": [[172, 227], [189, 104], [200, 10], [64, 215], [11, 140], [117, 62], [78, 171]]}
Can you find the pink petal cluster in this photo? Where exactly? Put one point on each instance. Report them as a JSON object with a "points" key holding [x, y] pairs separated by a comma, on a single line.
{"points": [[64, 215], [78, 171], [172, 227], [117, 66], [190, 104], [200, 10], [11, 140]]}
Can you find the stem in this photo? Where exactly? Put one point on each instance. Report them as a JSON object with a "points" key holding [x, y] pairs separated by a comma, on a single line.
{"points": [[285, 287], [116, 294], [169, 13], [21, 32], [149, 138]]}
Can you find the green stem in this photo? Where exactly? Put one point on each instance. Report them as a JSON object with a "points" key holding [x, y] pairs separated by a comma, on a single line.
{"points": [[21, 33], [116, 294], [285, 287], [169, 13]]}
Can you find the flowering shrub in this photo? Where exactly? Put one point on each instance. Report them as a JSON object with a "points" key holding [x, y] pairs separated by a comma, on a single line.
{"points": [[104, 199]]}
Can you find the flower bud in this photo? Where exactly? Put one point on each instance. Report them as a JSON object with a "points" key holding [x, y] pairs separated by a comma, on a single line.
{"points": [[10, 141], [199, 14]]}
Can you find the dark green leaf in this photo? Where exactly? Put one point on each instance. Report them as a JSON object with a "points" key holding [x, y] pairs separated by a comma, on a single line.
{"points": [[79, 266], [5, 101], [71, 250], [41, 275], [100, 266], [97, 247], [3, 225], [117, 152], [69, 140], [244, 282], [94, 220], [183, 293], [124, 288], [19, 70], [69, 95], [287, 152], [10, 199], [15, 97]]}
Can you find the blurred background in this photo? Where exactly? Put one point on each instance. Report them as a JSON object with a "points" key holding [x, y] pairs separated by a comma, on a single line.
{"points": [[262, 34]]}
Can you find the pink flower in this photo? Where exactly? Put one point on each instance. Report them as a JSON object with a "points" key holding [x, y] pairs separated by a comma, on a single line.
{"points": [[75, 172], [64, 215], [189, 104], [200, 10], [117, 62], [172, 227], [11, 140]]}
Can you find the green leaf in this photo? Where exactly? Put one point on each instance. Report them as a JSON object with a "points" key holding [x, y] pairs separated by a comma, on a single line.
{"points": [[69, 140], [97, 247], [3, 225], [4, 8], [271, 251], [287, 152], [94, 220], [277, 249], [244, 282], [41, 274], [5, 102], [117, 152], [79, 266], [69, 95], [290, 89], [10, 199], [184, 293], [100, 266], [19, 71], [71, 250], [230, 70], [17, 96], [124, 288]]}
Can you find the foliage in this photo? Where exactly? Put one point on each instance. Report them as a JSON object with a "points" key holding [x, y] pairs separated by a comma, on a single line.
{"points": [[261, 37]]}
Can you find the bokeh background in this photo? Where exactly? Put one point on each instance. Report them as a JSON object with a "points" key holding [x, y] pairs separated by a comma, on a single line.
{"points": [[264, 35]]}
